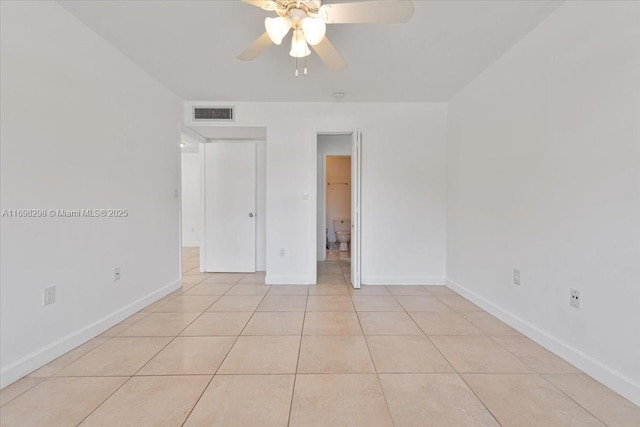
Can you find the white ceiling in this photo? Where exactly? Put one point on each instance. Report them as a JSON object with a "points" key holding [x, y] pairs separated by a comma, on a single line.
{"points": [[191, 47]]}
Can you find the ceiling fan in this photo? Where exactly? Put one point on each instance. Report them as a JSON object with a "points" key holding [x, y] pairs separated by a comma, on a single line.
{"points": [[308, 19]]}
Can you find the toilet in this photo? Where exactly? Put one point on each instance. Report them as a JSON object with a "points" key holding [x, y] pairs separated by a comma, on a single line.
{"points": [[342, 227]]}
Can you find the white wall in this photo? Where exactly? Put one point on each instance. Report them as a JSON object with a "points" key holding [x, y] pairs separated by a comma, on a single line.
{"points": [[403, 212], [333, 145], [544, 176], [81, 127], [191, 211]]}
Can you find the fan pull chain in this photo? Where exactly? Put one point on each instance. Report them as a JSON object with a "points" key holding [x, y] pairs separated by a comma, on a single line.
{"points": [[305, 65], [297, 73]]}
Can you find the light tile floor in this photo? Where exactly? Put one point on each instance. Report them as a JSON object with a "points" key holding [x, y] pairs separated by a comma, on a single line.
{"points": [[336, 255], [227, 350]]}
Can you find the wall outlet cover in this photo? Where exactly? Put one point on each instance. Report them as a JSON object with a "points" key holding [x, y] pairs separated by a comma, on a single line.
{"points": [[49, 295], [575, 298]]}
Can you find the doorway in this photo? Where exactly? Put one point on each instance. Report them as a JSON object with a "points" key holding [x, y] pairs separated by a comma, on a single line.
{"points": [[338, 213], [203, 150], [190, 202]]}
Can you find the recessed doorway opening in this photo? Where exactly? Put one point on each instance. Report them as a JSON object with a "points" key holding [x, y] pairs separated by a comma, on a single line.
{"points": [[224, 198], [338, 216]]}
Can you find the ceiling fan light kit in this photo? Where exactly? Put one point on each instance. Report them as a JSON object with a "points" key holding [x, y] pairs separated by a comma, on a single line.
{"points": [[277, 28], [314, 30], [309, 19], [299, 46]]}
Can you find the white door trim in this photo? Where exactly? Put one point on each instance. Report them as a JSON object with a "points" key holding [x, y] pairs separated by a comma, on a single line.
{"points": [[356, 210], [178, 194], [323, 256], [203, 211]]}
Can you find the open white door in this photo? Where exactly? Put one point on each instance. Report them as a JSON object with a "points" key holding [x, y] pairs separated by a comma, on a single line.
{"points": [[229, 207], [356, 165]]}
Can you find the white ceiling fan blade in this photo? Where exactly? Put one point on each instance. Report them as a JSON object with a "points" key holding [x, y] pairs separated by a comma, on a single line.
{"points": [[330, 56], [260, 44], [376, 12], [269, 5]]}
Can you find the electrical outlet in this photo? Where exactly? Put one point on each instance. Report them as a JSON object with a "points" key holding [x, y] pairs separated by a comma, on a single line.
{"points": [[49, 295], [281, 251], [575, 298], [516, 276], [116, 274]]}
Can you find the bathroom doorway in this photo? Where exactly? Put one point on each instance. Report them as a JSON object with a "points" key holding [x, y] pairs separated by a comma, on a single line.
{"points": [[334, 191], [338, 182]]}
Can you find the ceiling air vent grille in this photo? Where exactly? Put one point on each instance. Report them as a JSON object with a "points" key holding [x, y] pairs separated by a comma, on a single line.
{"points": [[213, 113]]}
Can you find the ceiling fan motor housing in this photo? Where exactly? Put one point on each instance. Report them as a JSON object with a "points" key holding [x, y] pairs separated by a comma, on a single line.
{"points": [[310, 7], [296, 15]]}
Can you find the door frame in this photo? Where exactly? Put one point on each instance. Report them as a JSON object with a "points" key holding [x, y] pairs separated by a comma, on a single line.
{"points": [[356, 210], [356, 238], [185, 135]]}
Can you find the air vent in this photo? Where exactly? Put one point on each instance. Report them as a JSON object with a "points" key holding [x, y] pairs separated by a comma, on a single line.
{"points": [[213, 113]]}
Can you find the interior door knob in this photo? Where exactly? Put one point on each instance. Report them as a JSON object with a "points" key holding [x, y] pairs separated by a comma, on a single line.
{"points": [[250, 214]]}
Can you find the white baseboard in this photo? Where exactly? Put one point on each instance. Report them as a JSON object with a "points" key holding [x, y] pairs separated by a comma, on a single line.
{"points": [[190, 244], [402, 280], [261, 267], [41, 357], [287, 280], [596, 369]]}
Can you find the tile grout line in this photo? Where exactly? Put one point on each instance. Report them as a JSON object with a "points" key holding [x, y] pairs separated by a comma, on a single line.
{"points": [[495, 417], [373, 363], [295, 373], [103, 400], [147, 362], [53, 374], [423, 332], [457, 372], [204, 390], [151, 358], [429, 338], [486, 335], [451, 364], [571, 398], [307, 373], [20, 394]]}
